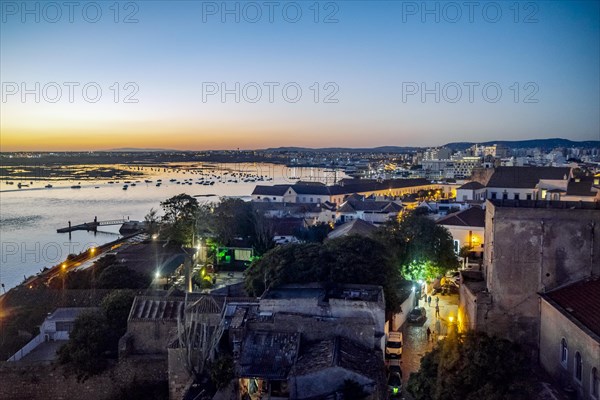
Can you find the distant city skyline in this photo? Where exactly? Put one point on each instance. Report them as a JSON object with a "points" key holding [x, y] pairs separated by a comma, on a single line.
{"points": [[198, 76]]}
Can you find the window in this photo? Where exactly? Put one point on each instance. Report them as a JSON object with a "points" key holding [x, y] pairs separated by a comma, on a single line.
{"points": [[528, 196], [504, 196], [594, 383], [493, 195], [564, 352], [516, 196], [274, 198], [456, 246], [578, 366]]}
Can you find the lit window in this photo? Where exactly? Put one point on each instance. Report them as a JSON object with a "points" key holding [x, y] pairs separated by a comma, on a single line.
{"points": [[594, 383], [564, 352], [578, 366]]}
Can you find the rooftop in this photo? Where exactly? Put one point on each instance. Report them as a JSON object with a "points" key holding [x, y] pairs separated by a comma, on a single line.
{"points": [[156, 308], [68, 313], [369, 293], [586, 205], [473, 216], [339, 352], [354, 227], [471, 186], [526, 177], [580, 301], [268, 354]]}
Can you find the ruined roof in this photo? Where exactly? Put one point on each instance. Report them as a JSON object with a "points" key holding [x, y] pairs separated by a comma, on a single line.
{"points": [[339, 352], [471, 186], [580, 301], [525, 177], [473, 216], [268, 354], [208, 305], [156, 308], [354, 227]]}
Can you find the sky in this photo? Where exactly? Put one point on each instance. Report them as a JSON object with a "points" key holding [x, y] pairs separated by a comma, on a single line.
{"points": [[197, 75]]}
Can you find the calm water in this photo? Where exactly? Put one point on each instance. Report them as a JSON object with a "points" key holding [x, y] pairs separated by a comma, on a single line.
{"points": [[30, 216]]}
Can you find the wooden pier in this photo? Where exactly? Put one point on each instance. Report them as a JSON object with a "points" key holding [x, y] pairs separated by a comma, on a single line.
{"points": [[91, 226]]}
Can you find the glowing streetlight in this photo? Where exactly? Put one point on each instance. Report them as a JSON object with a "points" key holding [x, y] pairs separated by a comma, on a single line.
{"points": [[451, 319], [155, 236]]}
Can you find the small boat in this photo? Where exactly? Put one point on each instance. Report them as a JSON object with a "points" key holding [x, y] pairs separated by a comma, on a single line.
{"points": [[110, 182], [172, 180], [148, 181], [125, 187], [10, 183], [133, 184], [48, 186], [158, 184], [97, 187], [76, 187]]}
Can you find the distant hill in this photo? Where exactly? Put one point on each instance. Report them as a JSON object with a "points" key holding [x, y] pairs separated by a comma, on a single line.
{"points": [[381, 149], [546, 144], [141, 150]]}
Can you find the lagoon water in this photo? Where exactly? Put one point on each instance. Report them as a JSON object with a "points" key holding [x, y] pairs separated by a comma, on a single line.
{"points": [[30, 216]]}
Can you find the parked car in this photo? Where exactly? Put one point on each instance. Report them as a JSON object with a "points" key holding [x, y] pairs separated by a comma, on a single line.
{"points": [[417, 315], [393, 346], [395, 384]]}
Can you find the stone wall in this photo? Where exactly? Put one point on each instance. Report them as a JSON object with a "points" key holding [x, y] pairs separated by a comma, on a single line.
{"points": [[531, 250], [554, 327], [22, 381]]}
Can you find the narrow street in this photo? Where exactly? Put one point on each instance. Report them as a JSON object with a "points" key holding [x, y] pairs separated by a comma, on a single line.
{"points": [[415, 335]]}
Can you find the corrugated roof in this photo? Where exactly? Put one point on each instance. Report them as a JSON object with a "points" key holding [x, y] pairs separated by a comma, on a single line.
{"points": [[580, 301], [156, 308]]}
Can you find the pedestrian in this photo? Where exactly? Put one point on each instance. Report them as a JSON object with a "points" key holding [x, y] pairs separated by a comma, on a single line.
{"points": [[437, 300], [437, 311], [428, 334], [432, 336], [429, 301]]}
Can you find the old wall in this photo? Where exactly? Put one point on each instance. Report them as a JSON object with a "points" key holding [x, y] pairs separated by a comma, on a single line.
{"points": [[150, 337], [32, 382], [531, 250], [554, 327]]}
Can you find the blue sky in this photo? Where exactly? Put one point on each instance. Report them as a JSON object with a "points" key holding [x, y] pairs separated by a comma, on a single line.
{"points": [[370, 57]]}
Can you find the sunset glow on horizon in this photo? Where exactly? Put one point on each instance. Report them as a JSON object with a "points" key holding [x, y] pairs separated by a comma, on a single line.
{"points": [[188, 76]]}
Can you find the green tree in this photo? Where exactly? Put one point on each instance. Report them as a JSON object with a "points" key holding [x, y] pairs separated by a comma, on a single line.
{"points": [[121, 277], [116, 307], [472, 368], [180, 214], [232, 218], [314, 233], [221, 371], [152, 221], [89, 341], [417, 241]]}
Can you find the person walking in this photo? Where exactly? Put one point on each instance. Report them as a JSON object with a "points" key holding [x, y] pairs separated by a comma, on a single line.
{"points": [[428, 334], [437, 300], [437, 311], [429, 301]]}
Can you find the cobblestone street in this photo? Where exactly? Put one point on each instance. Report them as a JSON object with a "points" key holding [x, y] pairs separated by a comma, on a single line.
{"points": [[415, 335]]}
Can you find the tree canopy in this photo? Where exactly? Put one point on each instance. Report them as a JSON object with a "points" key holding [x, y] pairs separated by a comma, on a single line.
{"points": [[420, 247], [180, 215], [474, 367]]}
